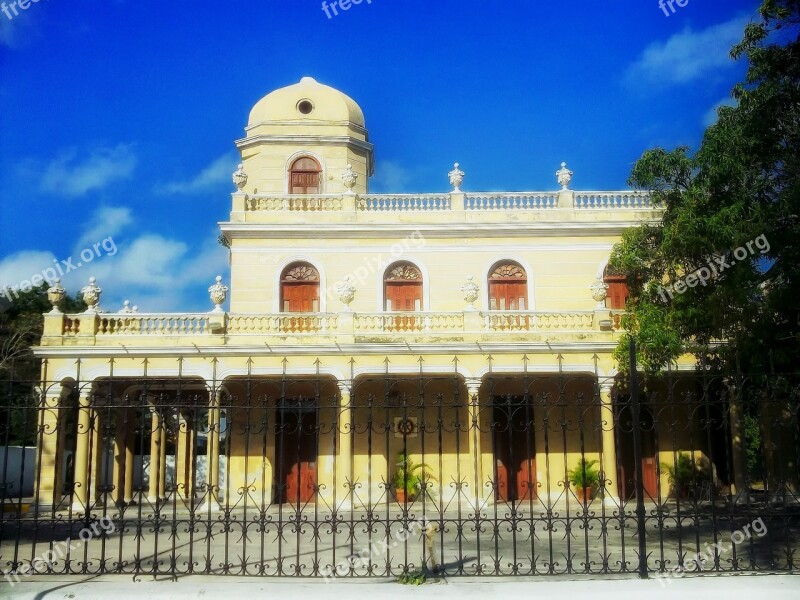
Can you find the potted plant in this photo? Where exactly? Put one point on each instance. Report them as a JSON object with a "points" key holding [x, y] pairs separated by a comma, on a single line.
{"points": [[684, 474], [584, 476], [409, 478]]}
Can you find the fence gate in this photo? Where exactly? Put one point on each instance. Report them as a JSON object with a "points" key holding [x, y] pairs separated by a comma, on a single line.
{"points": [[378, 476]]}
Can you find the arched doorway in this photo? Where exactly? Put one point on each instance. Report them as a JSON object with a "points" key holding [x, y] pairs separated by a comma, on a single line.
{"points": [[626, 457], [300, 294], [297, 450], [402, 292], [508, 287], [514, 448], [305, 176]]}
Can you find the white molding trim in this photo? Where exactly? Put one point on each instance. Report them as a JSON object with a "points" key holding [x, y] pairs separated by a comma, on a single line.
{"points": [[411, 370], [504, 249], [305, 140], [276, 281], [373, 230], [426, 281], [553, 369], [226, 374], [323, 176], [331, 350], [498, 258]]}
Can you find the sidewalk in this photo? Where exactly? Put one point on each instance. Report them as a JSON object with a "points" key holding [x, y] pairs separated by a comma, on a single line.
{"points": [[730, 587]]}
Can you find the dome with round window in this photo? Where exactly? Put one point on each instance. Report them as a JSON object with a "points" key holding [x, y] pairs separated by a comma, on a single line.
{"points": [[306, 101]]}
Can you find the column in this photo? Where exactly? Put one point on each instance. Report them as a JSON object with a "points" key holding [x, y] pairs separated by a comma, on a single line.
{"points": [[474, 435], [80, 494], [50, 445], [212, 450], [183, 458], [123, 457], [162, 484], [156, 464], [609, 446], [344, 442], [97, 455]]}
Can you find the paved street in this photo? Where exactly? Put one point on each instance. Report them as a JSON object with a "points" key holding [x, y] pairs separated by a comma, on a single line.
{"points": [[745, 587]]}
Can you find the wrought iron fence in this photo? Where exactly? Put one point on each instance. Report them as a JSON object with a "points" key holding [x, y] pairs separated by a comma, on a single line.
{"points": [[383, 475]]}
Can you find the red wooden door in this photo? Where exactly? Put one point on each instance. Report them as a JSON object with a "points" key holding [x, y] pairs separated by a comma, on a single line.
{"points": [[508, 295], [514, 450], [300, 298], [297, 456], [404, 297], [617, 291], [304, 177], [501, 480]]}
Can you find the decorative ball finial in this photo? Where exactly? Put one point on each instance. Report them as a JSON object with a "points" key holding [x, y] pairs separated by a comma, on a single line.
{"points": [[564, 176], [218, 292], [127, 309], [456, 178]]}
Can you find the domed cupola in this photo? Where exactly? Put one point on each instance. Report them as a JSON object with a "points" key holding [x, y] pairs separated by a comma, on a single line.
{"points": [[300, 140]]}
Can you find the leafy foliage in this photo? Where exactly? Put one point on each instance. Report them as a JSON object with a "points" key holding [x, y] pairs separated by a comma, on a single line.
{"points": [[21, 327], [412, 578], [410, 476], [584, 474], [742, 183], [684, 473]]}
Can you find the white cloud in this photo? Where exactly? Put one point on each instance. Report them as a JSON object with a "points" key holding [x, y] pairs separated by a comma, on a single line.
{"points": [[73, 175], [215, 174], [390, 177], [687, 56], [108, 221], [157, 273], [23, 265], [160, 274], [712, 114]]}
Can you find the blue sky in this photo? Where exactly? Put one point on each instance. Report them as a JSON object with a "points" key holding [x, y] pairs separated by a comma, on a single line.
{"points": [[117, 118]]}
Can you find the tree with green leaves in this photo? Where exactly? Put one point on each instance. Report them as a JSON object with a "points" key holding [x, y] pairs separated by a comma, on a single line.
{"points": [[742, 185], [21, 326]]}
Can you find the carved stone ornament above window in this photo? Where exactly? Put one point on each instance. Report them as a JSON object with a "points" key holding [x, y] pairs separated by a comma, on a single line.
{"points": [[508, 272], [404, 273], [301, 273]]}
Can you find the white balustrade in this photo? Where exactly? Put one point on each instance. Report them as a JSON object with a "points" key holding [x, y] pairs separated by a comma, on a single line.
{"points": [[511, 201], [612, 200], [404, 202]]}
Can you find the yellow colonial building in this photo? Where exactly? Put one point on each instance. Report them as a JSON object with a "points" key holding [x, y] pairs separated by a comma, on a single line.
{"points": [[448, 349]]}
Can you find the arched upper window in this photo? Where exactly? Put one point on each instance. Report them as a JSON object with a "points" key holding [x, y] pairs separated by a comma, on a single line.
{"points": [[617, 289], [305, 176], [300, 288], [402, 288], [508, 287]]}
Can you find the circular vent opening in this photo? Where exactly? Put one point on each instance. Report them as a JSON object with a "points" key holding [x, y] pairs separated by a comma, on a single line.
{"points": [[305, 107]]}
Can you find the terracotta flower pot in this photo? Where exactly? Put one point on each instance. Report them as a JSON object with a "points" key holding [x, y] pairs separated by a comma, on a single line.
{"points": [[584, 494]]}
